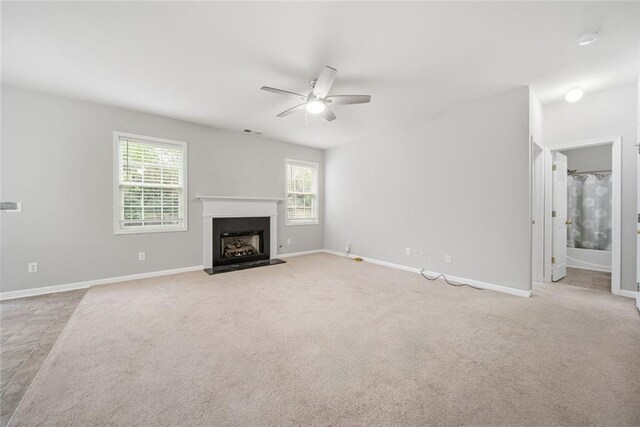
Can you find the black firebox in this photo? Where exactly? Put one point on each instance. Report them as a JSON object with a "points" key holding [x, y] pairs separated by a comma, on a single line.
{"points": [[240, 243]]}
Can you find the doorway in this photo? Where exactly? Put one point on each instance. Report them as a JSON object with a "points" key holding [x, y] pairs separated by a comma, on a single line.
{"points": [[582, 214]]}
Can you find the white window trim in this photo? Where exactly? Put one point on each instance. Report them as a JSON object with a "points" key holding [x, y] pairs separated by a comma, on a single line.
{"points": [[316, 167], [116, 186]]}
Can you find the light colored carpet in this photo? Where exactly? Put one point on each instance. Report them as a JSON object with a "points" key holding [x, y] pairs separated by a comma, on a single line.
{"points": [[325, 340]]}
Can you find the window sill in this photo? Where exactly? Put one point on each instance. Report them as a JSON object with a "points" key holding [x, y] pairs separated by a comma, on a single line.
{"points": [[144, 231], [314, 222]]}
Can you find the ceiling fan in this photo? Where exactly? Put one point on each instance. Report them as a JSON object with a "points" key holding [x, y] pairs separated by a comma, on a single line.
{"points": [[318, 100]]}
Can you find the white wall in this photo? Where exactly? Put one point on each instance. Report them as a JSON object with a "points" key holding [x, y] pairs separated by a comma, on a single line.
{"points": [[455, 184], [602, 115], [57, 160], [536, 118], [596, 158]]}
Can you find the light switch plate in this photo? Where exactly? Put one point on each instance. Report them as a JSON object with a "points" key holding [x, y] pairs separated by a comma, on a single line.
{"points": [[11, 206]]}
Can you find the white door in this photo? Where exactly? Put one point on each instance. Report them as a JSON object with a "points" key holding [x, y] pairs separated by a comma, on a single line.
{"points": [[559, 217]]}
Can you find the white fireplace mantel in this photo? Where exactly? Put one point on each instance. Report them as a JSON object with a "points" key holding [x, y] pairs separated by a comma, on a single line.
{"points": [[235, 198], [236, 207]]}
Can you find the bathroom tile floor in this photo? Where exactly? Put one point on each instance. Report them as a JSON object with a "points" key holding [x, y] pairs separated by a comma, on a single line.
{"points": [[587, 279]]}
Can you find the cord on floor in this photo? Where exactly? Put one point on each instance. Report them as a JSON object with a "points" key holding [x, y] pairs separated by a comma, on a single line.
{"points": [[448, 282]]}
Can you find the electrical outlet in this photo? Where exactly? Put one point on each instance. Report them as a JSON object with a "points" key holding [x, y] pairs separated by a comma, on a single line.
{"points": [[407, 251], [32, 267], [288, 241], [447, 259], [423, 254], [141, 256]]}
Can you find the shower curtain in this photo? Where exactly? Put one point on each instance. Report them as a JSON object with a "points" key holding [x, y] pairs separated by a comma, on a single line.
{"points": [[589, 209]]}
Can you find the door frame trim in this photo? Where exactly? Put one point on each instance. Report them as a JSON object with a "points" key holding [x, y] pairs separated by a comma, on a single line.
{"points": [[537, 211], [616, 171]]}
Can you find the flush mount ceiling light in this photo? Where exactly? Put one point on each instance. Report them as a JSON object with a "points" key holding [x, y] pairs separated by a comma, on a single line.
{"points": [[574, 95], [589, 37], [315, 106]]}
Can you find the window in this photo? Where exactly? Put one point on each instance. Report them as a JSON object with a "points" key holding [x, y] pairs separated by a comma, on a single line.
{"points": [[302, 192], [150, 184]]}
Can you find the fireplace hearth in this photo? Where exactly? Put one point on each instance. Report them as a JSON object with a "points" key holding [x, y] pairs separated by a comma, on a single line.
{"points": [[240, 243]]}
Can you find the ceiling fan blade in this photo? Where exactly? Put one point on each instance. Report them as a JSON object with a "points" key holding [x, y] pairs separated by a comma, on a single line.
{"points": [[328, 115], [348, 99], [324, 82], [283, 92], [292, 110]]}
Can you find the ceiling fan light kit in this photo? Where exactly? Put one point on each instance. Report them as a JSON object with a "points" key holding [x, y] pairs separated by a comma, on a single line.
{"points": [[318, 100], [315, 106]]}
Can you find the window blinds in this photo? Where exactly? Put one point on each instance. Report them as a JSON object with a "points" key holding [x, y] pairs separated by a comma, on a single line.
{"points": [[151, 184], [301, 192]]}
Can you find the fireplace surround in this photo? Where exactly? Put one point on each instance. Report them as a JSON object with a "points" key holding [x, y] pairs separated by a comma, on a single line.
{"points": [[240, 240], [246, 225]]}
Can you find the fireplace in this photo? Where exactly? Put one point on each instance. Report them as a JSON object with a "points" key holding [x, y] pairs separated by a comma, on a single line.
{"points": [[240, 243], [238, 215], [239, 246]]}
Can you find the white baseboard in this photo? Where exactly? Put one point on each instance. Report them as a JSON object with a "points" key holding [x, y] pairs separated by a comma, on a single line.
{"points": [[81, 285], [88, 283], [628, 294], [292, 254], [483, 285]]}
